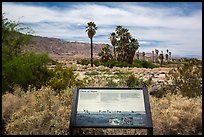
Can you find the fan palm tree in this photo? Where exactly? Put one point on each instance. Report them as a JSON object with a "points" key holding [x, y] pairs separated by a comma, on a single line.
{"points": [[161, 57], [138, 56], [157, 53], [123, 36], [143, 55], [133, 46], [153, 56], [169, 56], [91, 31], [113, 42]]}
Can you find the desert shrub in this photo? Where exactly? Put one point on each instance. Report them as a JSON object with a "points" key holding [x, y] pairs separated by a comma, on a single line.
{"points": [[96, 62], [38, 112], [176, 115], [63, 78], [24, 70], [111, 63], [12, 39], [147, 64], [188, 78], [133, 81], [91, 73], [111, 83], [18, 68], [52, 62], [143, 64], [84, 61], [136, 63]]}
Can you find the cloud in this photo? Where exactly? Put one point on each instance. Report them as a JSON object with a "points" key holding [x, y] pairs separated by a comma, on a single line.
{"points": [[172, 27]]}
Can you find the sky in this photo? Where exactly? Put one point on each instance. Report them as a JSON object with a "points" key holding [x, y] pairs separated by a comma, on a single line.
{"points": [[176, 26]]}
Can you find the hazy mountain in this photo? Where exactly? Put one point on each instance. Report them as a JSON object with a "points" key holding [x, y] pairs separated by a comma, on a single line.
{"points": [[59, 48]]}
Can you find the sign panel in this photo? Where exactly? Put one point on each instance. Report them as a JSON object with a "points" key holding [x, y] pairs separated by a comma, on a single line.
{"points": [[98, 107], [110, 107]]}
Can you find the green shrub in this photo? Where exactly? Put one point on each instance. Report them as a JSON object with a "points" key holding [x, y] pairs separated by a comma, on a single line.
{"points": [[24, 70], [143, 64], [63, 78], [111, 83], [147, 64], [96, 62], [112, 63], [188, 78], [91, 73], [132, 81], [84, 61]]}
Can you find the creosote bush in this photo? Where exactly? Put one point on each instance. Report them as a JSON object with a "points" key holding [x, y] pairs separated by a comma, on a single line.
{"points": [[188, 78], [63, 78]]}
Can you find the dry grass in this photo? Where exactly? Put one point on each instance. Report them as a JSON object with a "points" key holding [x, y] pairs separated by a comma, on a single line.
{"points": [[176, 115], [38, 112], [42, 112]]}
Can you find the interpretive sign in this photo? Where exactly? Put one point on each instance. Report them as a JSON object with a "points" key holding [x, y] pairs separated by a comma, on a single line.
{"points": [[111, 108]]}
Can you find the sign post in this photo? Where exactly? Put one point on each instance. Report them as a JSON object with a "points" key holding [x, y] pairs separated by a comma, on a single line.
{"points": [[98, 107]]}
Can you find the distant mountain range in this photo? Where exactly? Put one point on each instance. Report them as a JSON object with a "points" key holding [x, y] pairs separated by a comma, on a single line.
{"points": [[58, 49], [188, 56]]}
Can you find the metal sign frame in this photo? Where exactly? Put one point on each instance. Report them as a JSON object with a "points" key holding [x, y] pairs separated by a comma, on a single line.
{"points": [[148, 125]]}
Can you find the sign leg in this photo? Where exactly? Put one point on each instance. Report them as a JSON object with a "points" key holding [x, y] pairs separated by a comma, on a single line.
{"points": [[71, 131], [150, 131]]}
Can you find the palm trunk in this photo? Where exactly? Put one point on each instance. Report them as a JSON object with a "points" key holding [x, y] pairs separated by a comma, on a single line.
{"points": [[153, 57], [91, 53], [114, 53]]}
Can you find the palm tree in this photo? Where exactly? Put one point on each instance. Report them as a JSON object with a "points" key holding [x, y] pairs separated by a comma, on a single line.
{"points": [[157, 53], [91, 31], [123, 36], [153, 56], [169, 55], [133, 46], [113, 42], [105, 53], [161, 57], [138, 55], [143, 55]]}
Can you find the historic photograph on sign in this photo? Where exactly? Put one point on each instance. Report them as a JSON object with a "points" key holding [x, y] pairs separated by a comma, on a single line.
{"points": [[111, 107]]}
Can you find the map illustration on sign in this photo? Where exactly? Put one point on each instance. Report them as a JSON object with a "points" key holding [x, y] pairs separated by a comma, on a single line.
{"points": [[115, 107]]}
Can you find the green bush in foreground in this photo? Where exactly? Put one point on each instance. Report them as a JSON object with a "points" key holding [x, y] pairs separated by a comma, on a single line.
{"points": [[24, 70]]}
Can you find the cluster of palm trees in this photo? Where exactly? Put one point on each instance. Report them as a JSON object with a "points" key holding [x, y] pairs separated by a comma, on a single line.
{"points": [[124, 44], [161, 56]]}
